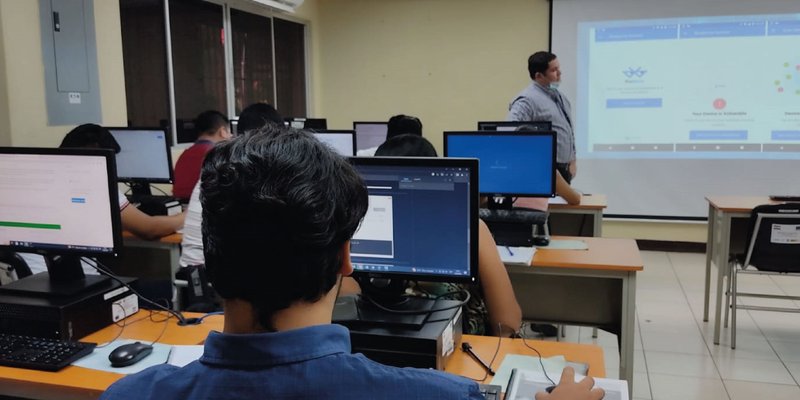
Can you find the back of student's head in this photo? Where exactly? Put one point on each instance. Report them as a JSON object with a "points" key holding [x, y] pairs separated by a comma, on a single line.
{"points": [[407, 145], [90, 136], [403, 124], [208, 122], [278, 208], [256, 116]]}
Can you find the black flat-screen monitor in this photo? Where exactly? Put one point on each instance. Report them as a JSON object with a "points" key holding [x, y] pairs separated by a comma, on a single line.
{"points": [[370, 134], [63, 204], [144, 158], [422, 222], [307, 123], [535, 126], [518, 164], [234, 122], [343, 141]]}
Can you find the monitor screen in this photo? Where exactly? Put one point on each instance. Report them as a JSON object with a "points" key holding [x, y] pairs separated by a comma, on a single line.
{"points": [[61, 201], [370, 134], [515, 126], [344, 142], [234, 126], [422, 219], [307, 123], [511, 164], [144, 155]]}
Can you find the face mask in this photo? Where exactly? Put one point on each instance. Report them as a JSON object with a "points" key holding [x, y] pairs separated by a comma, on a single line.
{"points": [[554, 85]]}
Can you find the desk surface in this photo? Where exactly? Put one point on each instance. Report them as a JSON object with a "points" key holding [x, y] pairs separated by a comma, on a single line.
{"points": [[591, 202], [738, 203], [602, 254], [484, 347], [175, 238], [76, 382]]}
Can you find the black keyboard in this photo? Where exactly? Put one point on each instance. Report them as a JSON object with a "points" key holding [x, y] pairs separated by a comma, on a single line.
{"points": [[514, 241], [490, 392], [39, 353], [784, 197]]}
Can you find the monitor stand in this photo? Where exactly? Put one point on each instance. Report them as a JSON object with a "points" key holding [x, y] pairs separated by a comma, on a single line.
{"points": [[140, 190], [65, 277]]}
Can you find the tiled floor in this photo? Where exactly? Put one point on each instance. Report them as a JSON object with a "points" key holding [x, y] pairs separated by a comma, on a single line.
{"points": [[675, 355]]}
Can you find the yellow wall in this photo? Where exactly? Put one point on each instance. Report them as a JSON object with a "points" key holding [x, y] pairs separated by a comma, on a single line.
{"points": [[449, 62], [25, 110], [5, 127]]}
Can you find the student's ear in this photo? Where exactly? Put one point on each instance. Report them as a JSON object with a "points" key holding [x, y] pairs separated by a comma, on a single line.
{"points": [[346, 268]]}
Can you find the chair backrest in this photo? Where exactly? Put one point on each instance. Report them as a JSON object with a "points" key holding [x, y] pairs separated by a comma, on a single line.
{"points": [[774, 238], [19, 268]]}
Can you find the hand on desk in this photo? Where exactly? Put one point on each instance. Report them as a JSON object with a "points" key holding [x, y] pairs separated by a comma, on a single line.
{"points": [[568, 389]]}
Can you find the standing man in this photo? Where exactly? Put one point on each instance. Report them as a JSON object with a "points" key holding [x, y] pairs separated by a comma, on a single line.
{"points": [[541, 101]]}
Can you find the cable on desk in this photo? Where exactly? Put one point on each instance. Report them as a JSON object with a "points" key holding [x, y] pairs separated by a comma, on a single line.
{"points": [[122, 327], [496, 352], [467, 296], [541, 363]]}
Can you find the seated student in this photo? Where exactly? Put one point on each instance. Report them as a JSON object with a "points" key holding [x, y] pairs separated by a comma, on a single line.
{"points": [[563, 189], [279, 210], [212, 127], [492, 308], [398, 125]]}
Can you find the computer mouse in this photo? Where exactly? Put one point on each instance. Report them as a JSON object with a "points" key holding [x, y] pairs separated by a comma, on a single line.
{"points": [[129, 354], [541, 240]]}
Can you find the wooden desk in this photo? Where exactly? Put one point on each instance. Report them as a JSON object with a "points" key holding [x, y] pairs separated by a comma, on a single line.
{"points": [[594, 287], [562, 221], [82, 383], [484, 346], [722, 213]]}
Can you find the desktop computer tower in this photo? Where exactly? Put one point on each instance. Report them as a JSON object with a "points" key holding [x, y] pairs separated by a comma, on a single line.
{"points": [[66, 317], [429, 346]]}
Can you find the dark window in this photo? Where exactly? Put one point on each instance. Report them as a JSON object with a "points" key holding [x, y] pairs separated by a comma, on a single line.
{"points": [[290, 65], [252, 59]]}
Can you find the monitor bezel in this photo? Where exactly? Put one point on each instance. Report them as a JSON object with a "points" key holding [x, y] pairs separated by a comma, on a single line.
{"points": [[446, 135], [128, 179], [113, 195], [472, 165], [515, 124], [322, 121], [385, 123], [341, 131]]}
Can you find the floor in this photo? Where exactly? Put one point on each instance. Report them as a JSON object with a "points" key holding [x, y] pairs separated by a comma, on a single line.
{"points": [[675, 355]]}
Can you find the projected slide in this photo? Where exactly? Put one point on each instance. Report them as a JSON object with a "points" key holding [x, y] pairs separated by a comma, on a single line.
{"points": [[710, 87], [375, 237]]}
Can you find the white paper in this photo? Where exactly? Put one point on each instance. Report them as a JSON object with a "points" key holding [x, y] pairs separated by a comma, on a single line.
{"points": [[531, 382], [516, 255], [556, 200], [182, 355]]}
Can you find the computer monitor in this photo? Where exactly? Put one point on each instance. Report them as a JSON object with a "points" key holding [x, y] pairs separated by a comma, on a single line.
{"points": [[370, 134], [344, 142], [144, 158], [234, 125], [535, 126], [421, 225], [517, 164], [63, 204], [307, 123]]}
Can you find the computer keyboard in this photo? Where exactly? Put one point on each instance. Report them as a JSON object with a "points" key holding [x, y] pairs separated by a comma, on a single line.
{"points": [[490, 392], [784, 197], [38, 353], [514, 241]]}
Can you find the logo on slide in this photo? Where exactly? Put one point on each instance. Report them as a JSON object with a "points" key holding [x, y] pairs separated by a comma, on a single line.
{"points": [[634, 72], [790, 81]]}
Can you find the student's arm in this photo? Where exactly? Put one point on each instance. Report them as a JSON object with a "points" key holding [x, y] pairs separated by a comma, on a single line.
{"points": [[573, 168], [499, 296], [568, 389], [566, 191], [150, 227]]}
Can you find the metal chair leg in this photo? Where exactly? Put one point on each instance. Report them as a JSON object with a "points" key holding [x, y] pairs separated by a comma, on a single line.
{"points": [[733, 306], [728, 295]]}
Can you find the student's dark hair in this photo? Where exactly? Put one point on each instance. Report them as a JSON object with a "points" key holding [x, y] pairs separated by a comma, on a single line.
{"points": [[403, 124], [90, 136], [256, 116], [278, 207], [406, 146], [539, 62], [207, 122]]}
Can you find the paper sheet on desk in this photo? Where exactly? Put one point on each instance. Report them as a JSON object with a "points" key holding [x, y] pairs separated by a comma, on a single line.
{"points": [[554, 365], [99, 358], [516, 255], [528, 383], [556, 200]]}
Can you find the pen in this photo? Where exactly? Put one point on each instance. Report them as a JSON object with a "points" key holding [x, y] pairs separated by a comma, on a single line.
{"points": [[511, 253], [467, 348]]}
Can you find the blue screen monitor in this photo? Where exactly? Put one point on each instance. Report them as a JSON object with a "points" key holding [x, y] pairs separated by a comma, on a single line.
{"points": [[517, 164], [342, 141], [370, 134], [422, 221], [535, 126]]}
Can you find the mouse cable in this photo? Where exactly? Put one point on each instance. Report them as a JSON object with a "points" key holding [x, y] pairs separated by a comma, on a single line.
{"points": [[541, 363], [103, 269]]}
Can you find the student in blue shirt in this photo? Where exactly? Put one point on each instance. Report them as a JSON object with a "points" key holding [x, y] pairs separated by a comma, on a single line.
{"points": [[279, 209]]}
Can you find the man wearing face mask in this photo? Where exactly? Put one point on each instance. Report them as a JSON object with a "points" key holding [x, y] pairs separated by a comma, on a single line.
{"points": [[541, 101]]}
